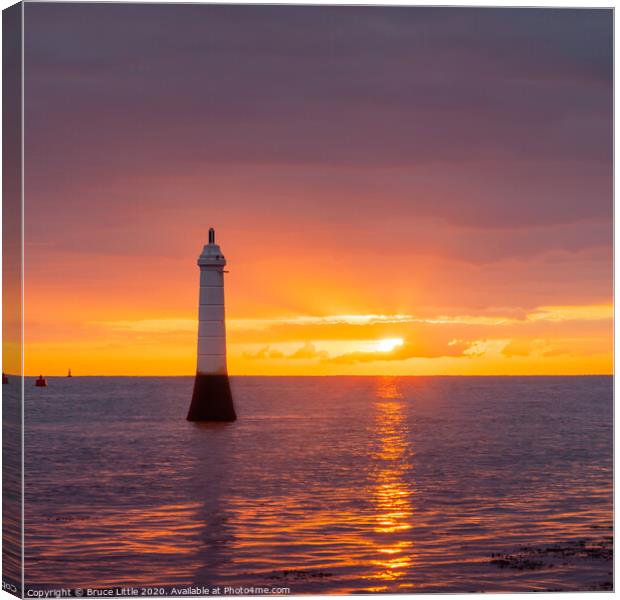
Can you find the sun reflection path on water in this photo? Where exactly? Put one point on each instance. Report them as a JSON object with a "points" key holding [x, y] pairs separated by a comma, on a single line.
{"points": [[393, 489]]}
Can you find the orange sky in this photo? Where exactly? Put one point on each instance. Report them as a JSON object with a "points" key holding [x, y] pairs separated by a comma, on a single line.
{"points": [[393, 195], [294, 311]]}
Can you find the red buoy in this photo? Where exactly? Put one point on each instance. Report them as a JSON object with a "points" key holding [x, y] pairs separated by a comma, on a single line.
{"points": [[41, 382]]}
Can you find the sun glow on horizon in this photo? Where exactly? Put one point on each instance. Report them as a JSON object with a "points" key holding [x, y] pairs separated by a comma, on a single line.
{"points": [[548, 339], [388, 344]]}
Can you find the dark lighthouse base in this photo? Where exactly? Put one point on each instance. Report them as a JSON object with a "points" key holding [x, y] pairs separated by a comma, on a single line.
{"points": [[211, 400]]}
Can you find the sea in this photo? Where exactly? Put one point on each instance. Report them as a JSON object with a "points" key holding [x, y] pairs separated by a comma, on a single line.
{"points": [[324, 485]]}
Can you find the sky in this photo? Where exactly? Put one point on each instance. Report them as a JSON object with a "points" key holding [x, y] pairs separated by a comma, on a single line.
{"points": [[398, 191]]}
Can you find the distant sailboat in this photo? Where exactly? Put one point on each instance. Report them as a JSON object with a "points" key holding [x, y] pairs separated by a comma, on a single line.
{"points": [[69, 373]]}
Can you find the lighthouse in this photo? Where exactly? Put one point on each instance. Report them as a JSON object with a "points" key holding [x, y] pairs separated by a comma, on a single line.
{"points": [[211, 400]]}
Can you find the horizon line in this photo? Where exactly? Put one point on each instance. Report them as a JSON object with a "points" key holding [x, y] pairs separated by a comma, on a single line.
{"points": [[343, 375]]}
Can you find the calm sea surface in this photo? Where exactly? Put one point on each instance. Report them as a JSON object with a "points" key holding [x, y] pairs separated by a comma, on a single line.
{"points": [[324, 485]]}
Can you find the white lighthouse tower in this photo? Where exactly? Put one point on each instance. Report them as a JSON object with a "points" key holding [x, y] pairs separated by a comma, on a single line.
{"points": [[211, 400]]}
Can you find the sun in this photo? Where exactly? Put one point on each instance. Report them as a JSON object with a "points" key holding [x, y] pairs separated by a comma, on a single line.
{"points": [[388, 344]]}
